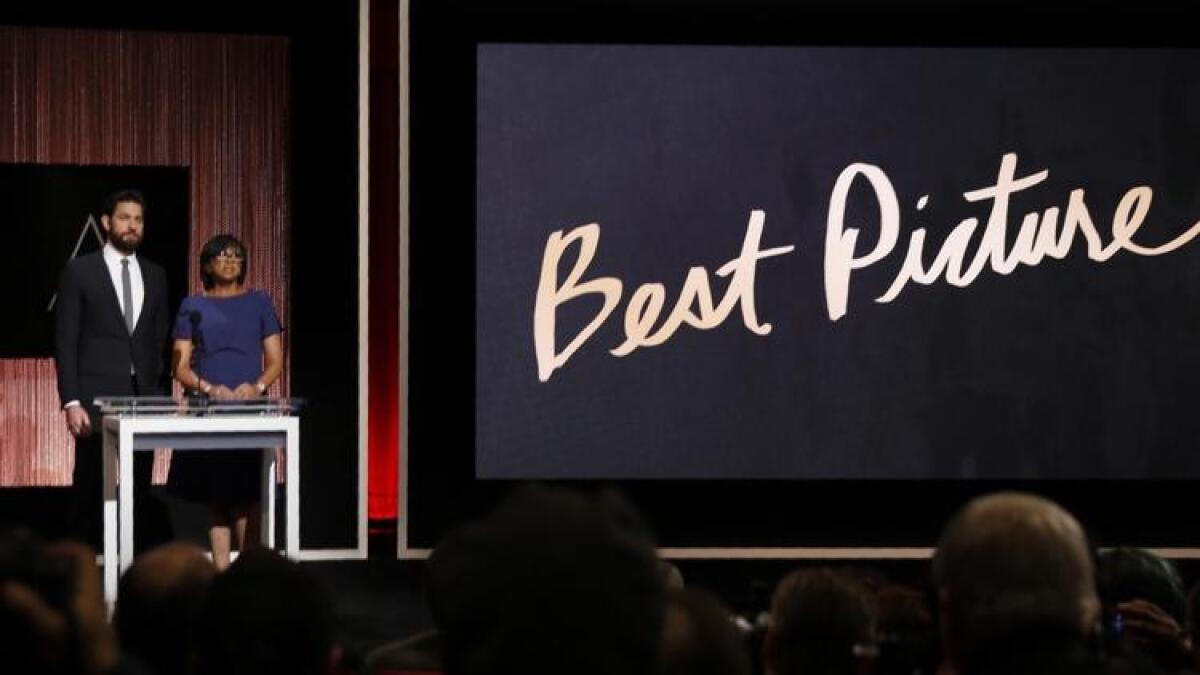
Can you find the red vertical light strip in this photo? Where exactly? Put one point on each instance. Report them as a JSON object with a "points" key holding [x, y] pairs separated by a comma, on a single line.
{"points": [[383, 408]]}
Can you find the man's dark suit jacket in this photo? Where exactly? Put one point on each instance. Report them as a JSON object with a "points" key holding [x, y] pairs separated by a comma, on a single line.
{"points": [[93, 349]]}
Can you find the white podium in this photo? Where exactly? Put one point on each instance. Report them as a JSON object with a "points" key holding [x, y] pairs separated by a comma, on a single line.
{"points": [[142, 424]]}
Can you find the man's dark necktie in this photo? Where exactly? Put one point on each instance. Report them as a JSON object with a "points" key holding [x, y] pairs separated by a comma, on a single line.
{"points": [[127, 294]]}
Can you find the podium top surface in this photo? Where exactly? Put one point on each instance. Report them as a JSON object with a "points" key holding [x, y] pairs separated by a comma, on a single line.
{"points": [[134, 406]]}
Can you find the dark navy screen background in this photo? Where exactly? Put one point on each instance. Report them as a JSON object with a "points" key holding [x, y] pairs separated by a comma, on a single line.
{"points": [[1069, 369]]}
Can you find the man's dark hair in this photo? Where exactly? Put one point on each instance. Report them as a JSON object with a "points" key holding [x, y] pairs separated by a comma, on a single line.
{"points": [[215, 247], [265, 616], [821, 621], [159, 601], [1124, 574], [905, 632], [552, 582], [700, 637], [109, 206]]}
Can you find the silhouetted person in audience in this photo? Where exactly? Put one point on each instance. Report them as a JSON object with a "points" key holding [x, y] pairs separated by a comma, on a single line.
{"points": [[905, 632], [1144, 605], [1017, 591], [267, 616], [701, 638], [1192, 626], [671, 576], [158, 606], [53, 619], [822, 623], [551, 583]]}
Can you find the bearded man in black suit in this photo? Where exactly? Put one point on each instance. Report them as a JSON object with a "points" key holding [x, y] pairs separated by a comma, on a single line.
{"points": [[111, 327]]}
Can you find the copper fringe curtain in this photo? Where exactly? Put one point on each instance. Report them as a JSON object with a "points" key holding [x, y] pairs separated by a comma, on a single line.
{"points": [[214, 103]]}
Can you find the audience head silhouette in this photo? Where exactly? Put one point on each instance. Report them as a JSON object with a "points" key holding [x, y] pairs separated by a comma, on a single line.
{"points": [[1124, 574], [1144, 605], [822, 623], [267, 616], [701, 638], [159, 603], [1012, 569], [905, 632], [552, 582]]}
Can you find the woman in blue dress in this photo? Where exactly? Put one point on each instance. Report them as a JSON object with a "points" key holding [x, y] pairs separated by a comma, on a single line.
{"points": [[227, 345]]}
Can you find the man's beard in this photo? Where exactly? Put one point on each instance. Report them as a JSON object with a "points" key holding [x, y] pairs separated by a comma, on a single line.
{"points": [[127, 244]]}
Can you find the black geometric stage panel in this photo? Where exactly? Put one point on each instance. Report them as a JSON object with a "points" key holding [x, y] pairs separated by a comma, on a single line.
{"points": [[53, 214]]}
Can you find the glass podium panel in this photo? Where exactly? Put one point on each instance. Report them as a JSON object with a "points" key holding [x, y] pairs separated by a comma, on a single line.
{"points": [[196, 406]]}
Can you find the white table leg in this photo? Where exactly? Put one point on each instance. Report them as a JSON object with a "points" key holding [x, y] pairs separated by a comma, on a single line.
{"points": [[109, 506], [125, 499], [293, 488], [267, 495]]}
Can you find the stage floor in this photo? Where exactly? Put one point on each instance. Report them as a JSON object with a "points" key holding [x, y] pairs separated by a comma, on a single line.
{"points": [[376, 600]]}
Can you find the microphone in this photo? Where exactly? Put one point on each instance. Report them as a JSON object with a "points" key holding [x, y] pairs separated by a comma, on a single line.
{"points": [[197, 336], [195, 396]]}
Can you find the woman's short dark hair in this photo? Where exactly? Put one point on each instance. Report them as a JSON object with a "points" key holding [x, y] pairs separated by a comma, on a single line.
{"points": [[215, 247]]}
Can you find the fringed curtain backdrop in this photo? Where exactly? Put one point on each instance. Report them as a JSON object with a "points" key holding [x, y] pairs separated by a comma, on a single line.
{"points": [[214, 103]]}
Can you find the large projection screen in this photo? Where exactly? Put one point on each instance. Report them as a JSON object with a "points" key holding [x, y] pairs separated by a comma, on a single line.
{"points": [[737, 278]]}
